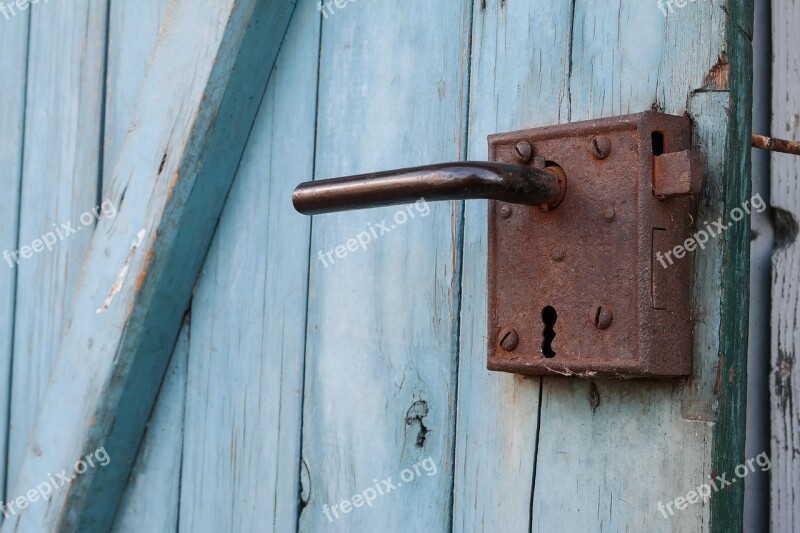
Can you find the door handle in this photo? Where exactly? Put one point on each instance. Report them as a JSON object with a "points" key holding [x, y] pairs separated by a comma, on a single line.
{"points": [[594, 288], [517, 184]]}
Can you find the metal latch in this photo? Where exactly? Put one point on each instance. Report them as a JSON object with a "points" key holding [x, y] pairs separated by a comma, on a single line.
{"points": [[579, 216]]}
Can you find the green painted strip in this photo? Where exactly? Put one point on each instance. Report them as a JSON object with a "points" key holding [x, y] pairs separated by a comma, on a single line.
{"points": [[727, 507]]}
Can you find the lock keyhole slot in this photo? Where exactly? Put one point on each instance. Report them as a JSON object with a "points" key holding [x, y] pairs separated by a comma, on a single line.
{"points": [[549, 317]]}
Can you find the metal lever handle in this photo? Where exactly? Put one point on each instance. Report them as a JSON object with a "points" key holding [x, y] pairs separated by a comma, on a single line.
{"points": [[449, 181]]}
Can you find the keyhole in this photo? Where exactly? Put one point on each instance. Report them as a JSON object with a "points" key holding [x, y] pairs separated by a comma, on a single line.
{"points": [[549, 317]]}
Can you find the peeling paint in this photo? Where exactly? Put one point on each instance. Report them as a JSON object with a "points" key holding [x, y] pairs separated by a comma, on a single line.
{"points": [[123, 273]]}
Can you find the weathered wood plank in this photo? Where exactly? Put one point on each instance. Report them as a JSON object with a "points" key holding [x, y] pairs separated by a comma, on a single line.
{"points": [[133, 29], [13, 65], [519, 75], [785, 199], [727, 508], [383, 321], [241, 462], [195, 111], [60, 175], [152, 496], [644, 442]]}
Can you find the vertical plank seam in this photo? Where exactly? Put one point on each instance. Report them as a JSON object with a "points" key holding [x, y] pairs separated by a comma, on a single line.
{"points": [[188, 326], [536, 452], [300, 504], [12, 325], [458, 267], [571, 49], [101, 151]]}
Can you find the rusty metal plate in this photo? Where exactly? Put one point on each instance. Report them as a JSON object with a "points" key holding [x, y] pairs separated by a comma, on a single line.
{"points": [[576, 290]]}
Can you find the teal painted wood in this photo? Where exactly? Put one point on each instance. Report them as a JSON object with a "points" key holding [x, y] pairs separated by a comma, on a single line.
{"points": [[62, 154], [598, 466], [626, 446], [241, 462], [383, 321], [133, 29], [195, 112], [13, 60], [152, 496], [513, 86]]}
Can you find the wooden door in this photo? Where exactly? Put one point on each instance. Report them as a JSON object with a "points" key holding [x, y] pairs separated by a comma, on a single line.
{"points": [[303, 379]]}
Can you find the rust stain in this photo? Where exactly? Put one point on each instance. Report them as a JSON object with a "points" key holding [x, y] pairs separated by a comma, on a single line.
{"points": [[172, 184], [717, 78], [145, 269]]}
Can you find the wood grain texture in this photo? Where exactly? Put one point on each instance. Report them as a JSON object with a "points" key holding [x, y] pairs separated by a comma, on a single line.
{"points": [[151, 498], [152, 495], [241, 463], [383, 321], [196, 108], [785, 199], [13, 65], [619, 58], [727, 508], [133, 29], [62, 151], [519, 76]]}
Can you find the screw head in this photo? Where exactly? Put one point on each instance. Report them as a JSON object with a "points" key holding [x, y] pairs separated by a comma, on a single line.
{"points": [[610, 214], [508, 339], [524, 151], [558, 255], [601, 147], [602, 317], [505, 211]]}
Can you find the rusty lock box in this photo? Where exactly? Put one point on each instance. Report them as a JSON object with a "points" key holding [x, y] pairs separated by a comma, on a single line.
{"points": [[582, 287], [579, 218]]}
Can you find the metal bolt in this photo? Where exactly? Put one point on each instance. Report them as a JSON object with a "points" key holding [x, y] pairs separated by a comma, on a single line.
{"points": [[508, 339], [603, 317], [601, 147], [524, 151], [558, 255], [505, 211], [610, 214]]}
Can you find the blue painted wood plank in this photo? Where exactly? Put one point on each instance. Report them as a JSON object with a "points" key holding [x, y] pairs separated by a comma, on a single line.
{"points": [[13, 65], [597, 466], [60, 176], [195, 111], [152, 495], [383, 321], [241, 462], [150, 502], [519, 79], [626, 446], [133, 29]]}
